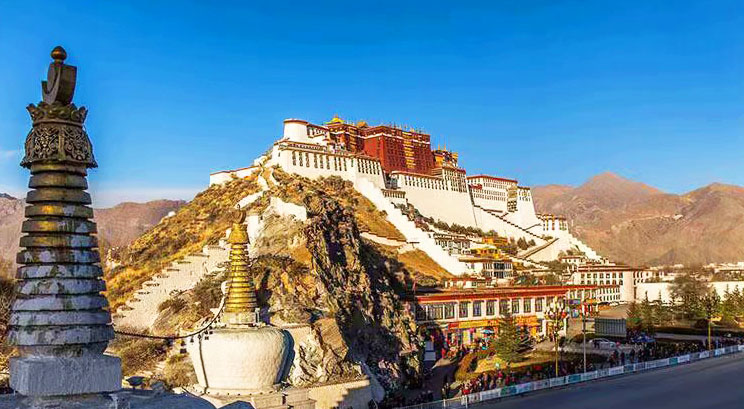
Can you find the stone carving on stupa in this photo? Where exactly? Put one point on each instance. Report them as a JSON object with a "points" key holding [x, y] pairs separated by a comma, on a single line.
{"points": [[59, 320]]}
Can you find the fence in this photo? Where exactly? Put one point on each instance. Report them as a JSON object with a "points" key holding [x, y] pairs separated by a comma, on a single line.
{"points": [[498, 393]]}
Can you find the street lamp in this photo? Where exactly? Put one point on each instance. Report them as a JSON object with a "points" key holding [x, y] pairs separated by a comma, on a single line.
{"points": [[711, 303], [557, 312]]}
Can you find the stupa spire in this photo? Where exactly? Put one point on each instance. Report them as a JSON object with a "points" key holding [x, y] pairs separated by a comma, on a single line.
{"points": [[59, 320], [240, 301]]}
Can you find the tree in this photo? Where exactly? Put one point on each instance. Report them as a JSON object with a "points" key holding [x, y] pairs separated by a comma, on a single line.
{"points": [[507, 344], [648, 316], [688, 292], [729, 309], [522, 243], [634, 316]]}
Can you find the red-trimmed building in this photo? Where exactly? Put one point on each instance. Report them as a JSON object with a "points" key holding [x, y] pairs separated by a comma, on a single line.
{"points": [[466, 315], [396, 148]]}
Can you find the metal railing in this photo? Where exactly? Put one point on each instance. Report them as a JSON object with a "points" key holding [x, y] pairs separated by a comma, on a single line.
{"points": [[506, 391]]}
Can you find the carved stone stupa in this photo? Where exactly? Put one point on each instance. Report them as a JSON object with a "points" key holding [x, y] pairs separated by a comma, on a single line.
{"points": [[240, 356], [59, 322]]}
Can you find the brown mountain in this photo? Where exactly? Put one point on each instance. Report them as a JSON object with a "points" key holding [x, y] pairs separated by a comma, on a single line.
{"points": [[117, 226], [121, 224], [636, 223]]}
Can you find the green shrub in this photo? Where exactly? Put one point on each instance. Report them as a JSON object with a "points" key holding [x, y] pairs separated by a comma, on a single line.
{"points": [[175, 304], [179, 371], [139, 354]]}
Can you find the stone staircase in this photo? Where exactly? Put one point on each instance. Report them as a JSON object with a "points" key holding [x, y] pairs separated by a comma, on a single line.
{"points": [[141, 311], [520, 228], [414, 235], [529, 252]]}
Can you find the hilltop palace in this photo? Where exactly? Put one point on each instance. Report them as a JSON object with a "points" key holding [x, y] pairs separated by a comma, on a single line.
{"points": [[397, 168]]}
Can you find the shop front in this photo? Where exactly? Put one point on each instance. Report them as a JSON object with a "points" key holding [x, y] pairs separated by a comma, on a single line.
{"points": [[468, 332]]}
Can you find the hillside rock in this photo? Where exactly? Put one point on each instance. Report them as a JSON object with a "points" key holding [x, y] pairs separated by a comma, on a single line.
{"points": [[339, 296]]}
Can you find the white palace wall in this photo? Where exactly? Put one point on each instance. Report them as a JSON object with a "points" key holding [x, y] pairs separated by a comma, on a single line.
{"points": [[315, 163], [487, 222], [433, 197], [488, 199], [525, 215]]}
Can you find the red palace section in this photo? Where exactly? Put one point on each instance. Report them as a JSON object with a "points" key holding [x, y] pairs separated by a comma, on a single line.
{"points": [[397, 149]]}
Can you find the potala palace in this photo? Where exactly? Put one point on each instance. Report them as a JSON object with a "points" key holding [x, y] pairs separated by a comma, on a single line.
{"points": [[397, 169]]}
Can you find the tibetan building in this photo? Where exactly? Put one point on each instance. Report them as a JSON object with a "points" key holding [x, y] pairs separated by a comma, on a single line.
{"points": [[396, 148]]}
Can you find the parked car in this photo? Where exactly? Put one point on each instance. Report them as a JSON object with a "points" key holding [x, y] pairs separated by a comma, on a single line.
{"points": [[604, 343], [642, 339]]}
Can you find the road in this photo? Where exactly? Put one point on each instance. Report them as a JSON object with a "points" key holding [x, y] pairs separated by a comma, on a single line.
{"points": [[712, 383]]}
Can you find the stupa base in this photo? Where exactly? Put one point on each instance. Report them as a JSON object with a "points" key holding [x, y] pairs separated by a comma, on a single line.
{"points": [[34, 376], [122, 399], [294, 398]]}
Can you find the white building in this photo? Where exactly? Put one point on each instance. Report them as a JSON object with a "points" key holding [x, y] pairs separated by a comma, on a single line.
{"points": [[662, 290], [608, 273], [446, 194]]}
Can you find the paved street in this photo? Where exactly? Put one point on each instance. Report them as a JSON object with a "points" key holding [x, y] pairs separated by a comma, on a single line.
{"points": [[713, 383]]}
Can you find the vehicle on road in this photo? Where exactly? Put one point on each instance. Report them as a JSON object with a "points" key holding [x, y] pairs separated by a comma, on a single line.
{"points": [[604, 343]]}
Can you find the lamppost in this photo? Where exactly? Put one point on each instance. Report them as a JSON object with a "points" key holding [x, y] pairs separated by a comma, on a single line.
{"points": [[711, 302], [585, 310], [557, 312]]}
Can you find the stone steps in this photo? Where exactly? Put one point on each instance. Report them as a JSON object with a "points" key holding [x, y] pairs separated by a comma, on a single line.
{"points": [[142, 310]]}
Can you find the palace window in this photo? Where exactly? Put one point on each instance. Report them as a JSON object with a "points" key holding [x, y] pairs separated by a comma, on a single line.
{"points": [[477, 308], [299, 156], [307, 159], [449, 311], [503, 307], [490, 307], [527, 304], [420, 313], [315, 160], [539, 304], [515, 306], [464, 309], [294, 159], [435, 312]]}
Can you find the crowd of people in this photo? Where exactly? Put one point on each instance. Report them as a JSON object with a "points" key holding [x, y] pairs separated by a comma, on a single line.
{"points": [[641, 352]]}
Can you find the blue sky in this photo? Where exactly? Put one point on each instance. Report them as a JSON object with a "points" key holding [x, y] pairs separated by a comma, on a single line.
{"points": [[543, 91]]}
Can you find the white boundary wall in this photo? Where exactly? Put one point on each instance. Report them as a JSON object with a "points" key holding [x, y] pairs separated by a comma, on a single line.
{"points": [[559, 382]]}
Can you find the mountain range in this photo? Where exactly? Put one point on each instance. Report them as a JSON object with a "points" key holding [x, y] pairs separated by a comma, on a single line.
{"points": [[632, 222], [117, 226]]}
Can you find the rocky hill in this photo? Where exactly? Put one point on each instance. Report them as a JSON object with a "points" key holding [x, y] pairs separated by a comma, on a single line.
{"points": [[638, 224], [117, 226], [327, 271]]}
